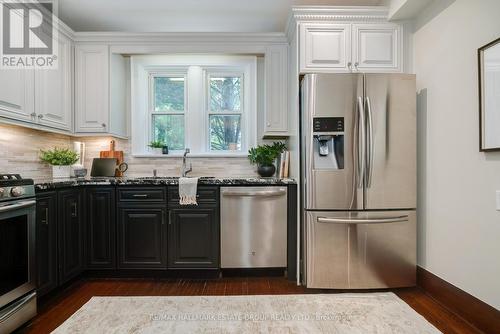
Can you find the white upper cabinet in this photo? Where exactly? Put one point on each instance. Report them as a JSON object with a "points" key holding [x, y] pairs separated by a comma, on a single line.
{"points": [[276, 92], [325, 46], [17, 94], [350, 47], [53, 90], [91, 88], [376, 47]]}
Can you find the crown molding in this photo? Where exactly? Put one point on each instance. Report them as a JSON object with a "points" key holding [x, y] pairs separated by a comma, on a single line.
{"points": [[335, 13], [180, 37]]}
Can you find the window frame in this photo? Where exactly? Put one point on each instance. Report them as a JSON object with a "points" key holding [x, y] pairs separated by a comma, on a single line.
{"points": [[193, 67], [152, 103], [225, 72]]}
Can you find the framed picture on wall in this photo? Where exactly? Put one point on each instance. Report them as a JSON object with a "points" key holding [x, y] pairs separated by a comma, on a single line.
{"points": [[489, 96]]}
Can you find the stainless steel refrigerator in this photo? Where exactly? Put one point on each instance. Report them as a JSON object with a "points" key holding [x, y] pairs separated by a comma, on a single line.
{"points": [[358, 171]]}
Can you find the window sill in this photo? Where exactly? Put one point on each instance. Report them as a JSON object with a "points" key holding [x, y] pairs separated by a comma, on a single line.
{"points": [[192, 155]]}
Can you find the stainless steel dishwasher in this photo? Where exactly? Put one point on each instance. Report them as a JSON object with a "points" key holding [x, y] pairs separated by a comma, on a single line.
{"points": [[253, 227]]}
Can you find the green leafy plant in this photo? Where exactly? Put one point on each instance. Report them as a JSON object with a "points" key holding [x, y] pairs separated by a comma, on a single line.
{"points": [[264, 155], [59, 156], [156, 144]]}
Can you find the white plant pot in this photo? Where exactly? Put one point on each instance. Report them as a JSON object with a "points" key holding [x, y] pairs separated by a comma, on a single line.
{"points": [[61, 172], [157, 150]]}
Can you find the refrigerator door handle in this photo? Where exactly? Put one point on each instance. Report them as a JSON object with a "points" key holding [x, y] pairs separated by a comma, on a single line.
{"points": [[347, 220], [361, 141], [369, 141]]}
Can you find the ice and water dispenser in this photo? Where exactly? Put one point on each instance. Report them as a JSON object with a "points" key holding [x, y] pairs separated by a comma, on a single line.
{"points": [[328, 134]]}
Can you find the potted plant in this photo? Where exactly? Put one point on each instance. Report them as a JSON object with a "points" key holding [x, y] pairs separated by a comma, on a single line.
{"points": [[156, 146], [61, 160], [264, 156]]}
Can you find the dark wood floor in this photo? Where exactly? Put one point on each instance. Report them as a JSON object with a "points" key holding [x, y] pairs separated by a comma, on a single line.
{"points": [[55, 310]]}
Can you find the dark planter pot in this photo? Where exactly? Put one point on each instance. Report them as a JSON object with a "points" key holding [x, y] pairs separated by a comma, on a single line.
{"points": [[266, 170]]}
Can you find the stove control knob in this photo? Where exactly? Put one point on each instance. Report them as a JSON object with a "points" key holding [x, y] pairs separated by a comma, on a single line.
{"points": [[2, 191], [17, 191]]}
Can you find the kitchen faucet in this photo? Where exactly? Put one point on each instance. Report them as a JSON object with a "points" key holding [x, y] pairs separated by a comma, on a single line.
{"points": [[185, 170]]}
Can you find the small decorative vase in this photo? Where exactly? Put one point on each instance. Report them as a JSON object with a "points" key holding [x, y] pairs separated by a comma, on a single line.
{"points": [[61, 172], [266, 170], [157, 150]]}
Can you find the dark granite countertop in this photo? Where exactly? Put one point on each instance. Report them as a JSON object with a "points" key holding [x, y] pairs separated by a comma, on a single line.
{"points": [[48, 184]]}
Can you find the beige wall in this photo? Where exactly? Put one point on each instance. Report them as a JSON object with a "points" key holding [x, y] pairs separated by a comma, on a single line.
{"points": [[459, 234], [20, 148]]}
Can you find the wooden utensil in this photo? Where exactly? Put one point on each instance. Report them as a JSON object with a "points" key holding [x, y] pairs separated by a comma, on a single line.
{"points": [[118, 155]]}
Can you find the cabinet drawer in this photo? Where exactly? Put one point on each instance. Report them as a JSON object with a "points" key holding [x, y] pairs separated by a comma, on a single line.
{"points": [[205, 195], [138, 194]]}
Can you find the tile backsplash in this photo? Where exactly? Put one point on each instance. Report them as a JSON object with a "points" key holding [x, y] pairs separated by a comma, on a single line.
{"points": [[20, 149], [218, 167]]}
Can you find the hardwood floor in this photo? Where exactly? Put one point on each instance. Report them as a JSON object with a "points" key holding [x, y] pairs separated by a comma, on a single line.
{"points": [[55, 310]]}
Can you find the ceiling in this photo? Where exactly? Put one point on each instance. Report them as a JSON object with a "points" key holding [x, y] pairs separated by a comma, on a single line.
{"points": [[186, 15]]}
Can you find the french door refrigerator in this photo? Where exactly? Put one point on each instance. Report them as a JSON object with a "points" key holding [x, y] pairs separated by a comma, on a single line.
{"points": [[358, 173]]}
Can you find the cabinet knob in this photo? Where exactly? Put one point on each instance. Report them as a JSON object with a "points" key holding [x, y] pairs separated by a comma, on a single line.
{"points": [[268, 124], [356, 65], [349, 65], [33, 115], [103, 125], [40, 116]]}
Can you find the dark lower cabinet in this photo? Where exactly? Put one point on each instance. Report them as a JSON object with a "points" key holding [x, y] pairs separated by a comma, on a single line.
{"points": [[101, 227], [71, 229], [193, 240], [142, 237], [46, 242]]}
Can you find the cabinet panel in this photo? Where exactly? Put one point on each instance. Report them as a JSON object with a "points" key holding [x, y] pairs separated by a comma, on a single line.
{"points": [[377, 46], [193, 238], [91, 88], [71, 229], [17, 94], [276, 110], [141, 237], [324, 46], [53, 90], [101, 231], [46, 242]]}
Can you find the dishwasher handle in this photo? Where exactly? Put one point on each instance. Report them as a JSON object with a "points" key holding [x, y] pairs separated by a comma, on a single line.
{"points": [[255, 193]]}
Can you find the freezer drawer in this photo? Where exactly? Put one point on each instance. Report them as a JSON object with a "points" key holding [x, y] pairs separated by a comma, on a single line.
{"points": [[253, 227], [360, 250]]}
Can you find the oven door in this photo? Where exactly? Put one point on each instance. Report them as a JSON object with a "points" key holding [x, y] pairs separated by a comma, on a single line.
{"points": [[17, 250]]}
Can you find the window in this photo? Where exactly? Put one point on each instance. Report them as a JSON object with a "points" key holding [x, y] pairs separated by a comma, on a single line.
{"points": [[167, 110], [225, 112], [205, 103]]}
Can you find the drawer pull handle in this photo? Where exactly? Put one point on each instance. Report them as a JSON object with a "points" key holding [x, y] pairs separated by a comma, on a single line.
{"points": [[141, 195]]}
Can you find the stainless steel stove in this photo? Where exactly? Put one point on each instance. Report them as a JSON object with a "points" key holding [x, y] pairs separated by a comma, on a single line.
{"points": [[17, 251]]}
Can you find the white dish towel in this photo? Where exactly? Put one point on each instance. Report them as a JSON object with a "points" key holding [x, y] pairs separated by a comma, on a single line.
{"points": [[187, 190]]}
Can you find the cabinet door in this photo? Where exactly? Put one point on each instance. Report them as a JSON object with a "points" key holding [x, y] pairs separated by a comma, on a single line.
{"points": [[101, 241], [324, 47], [53, 90], [141, 237], [46, 242], [91, 88], [17, 94], [193, 238], [70, 225], [377, 47], [276, 73]]}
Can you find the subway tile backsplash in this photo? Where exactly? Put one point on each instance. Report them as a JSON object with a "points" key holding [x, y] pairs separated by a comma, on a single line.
{"points": [[20, 149]]}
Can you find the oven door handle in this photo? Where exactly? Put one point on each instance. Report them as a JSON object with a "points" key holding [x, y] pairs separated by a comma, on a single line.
{"points": [[17, 306], [15, 206]]}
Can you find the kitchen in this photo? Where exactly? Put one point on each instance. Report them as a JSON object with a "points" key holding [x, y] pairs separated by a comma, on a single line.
{"points": [[285, 157]]}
